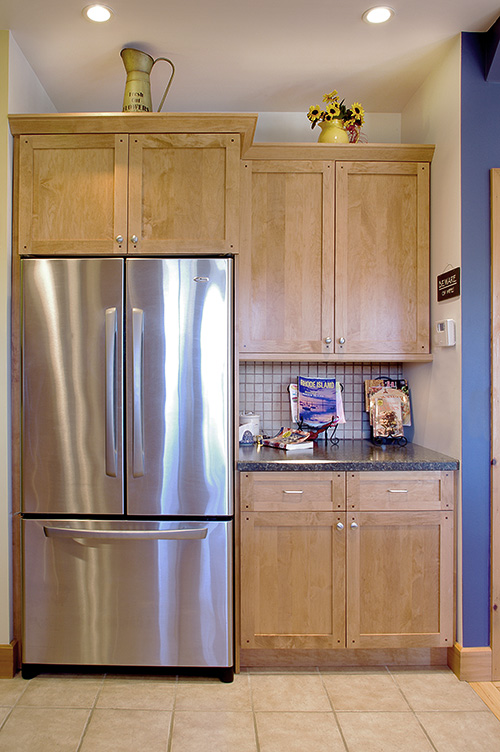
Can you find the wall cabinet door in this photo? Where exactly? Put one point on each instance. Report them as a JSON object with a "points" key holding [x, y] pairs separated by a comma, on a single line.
{"points": [[286, 257], [382, 258], [184, 193], [399, 579], [72, 194], [104, 194], [292, 580]]}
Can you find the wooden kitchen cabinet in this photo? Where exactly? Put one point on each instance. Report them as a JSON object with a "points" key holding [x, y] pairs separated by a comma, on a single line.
{"points": [[335, 253], [286, 268], [382, 258], [292, 561], [400, 555], [377, 576], [83, 191]]}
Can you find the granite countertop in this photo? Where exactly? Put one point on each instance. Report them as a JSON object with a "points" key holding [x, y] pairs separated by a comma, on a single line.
{"points": [[350, 454]]}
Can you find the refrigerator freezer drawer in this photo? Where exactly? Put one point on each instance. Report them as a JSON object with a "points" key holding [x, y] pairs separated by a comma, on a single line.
{"points": [[128, 593]]}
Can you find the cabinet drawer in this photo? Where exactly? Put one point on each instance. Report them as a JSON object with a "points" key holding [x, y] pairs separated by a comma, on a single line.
{"points": [[292, 491], [388, 491]]}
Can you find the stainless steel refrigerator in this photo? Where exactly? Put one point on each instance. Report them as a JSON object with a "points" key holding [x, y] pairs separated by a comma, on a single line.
{"points": [[127, 462]]}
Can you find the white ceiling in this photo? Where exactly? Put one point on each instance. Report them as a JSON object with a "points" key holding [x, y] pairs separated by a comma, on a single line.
{"points": [[240, 55]]}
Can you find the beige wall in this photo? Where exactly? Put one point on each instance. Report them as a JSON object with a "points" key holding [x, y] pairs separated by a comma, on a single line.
{"points": [[433, 116], [20, 91]]}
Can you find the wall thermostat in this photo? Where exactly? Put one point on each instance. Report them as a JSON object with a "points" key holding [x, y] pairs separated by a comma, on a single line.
{"points": [[445, 333]]}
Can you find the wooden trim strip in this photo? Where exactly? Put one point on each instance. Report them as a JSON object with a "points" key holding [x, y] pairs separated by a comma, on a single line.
{"points": [[495, 417], [470, 664], [354, 152], [8, 660]]}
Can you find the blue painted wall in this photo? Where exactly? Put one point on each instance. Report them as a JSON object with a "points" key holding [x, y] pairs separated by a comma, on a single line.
{"points": [[480, 151]]}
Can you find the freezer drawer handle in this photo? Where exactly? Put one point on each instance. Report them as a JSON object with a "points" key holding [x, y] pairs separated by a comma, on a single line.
{"points": [[111, 335], [138, 428], [66, 532]]}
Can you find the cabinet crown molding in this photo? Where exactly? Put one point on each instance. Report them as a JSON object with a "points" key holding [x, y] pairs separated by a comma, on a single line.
{"points": [[129, 122]]}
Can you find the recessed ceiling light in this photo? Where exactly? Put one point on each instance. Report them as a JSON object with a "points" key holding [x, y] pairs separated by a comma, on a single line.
{"points": [[97, 13], [379, 14]]}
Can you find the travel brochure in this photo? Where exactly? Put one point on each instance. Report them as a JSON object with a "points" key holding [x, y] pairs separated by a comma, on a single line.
{"points": [[388, 403], [289, 438]]}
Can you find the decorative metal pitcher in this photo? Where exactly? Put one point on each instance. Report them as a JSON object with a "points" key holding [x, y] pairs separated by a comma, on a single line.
{"points": [[137, 97]]}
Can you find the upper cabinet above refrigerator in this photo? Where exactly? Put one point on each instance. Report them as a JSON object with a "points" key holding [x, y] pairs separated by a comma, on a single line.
{"points": [[156, 185]]}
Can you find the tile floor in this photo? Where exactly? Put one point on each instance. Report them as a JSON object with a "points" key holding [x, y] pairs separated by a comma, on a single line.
{"points": [[335, 710]]}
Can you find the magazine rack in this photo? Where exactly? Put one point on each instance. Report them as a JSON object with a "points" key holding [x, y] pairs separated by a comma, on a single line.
{"points": [[380, 440]]}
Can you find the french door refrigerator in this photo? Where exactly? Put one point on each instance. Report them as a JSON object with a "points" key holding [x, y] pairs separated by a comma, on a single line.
{"points": [[127, 462]]}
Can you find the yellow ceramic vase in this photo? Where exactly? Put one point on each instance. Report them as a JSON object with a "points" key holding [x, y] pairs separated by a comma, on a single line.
{"points": [[333, 132]]}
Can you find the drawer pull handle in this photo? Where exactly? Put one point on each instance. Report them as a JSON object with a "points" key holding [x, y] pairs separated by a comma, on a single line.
{"points": [[293, 492], [398, 490], [340, 526]]}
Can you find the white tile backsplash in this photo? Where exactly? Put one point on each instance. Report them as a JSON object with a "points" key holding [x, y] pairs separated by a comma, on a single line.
{"points": [[264, 390]]}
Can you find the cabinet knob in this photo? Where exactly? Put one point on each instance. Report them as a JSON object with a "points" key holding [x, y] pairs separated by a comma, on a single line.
{"points": [[134, 239], [341, 340], [119, 238], [354, 525], [328, 340], [340, 525]]}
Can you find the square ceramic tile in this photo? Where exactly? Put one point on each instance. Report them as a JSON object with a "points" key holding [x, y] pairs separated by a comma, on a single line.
{"points": [[298, 732], [43, 730], [214, 695], [289, 692], [213, 730], [383, 732], [462, 732], [127, 731], [12, 689], [364, 691], [137, 693], [436, 689], [57, 692]]}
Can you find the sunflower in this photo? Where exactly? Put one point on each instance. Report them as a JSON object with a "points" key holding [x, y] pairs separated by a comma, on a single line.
{"points": [[315, 113], [334, 109], [357, 113], [332, 97]]}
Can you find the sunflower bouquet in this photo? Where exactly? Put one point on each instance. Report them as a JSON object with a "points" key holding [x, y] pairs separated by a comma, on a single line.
{"points": [[352, 117]]}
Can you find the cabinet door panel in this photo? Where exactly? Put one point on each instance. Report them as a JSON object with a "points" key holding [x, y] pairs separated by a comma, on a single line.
{"points": [[382, 258], [184, 193], [399, 579], [72, 194], [286, 266], [292, 580]]}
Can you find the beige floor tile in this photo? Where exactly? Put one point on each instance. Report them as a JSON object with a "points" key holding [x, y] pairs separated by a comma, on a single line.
{"points": [[364, 691], [127, 731], [12, 689], [136, 694], [436, 690], [43, 730], [213, 730], [57, 692], [4, 712], [383, 732], [214, 695], [462, 731], [289, 692], [298, 732]]}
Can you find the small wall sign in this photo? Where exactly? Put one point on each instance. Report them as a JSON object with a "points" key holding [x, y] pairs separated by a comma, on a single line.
{"points": [[448, 284]]}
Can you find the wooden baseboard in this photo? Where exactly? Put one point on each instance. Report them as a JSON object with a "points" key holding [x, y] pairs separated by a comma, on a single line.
{"points": [[309, 658], [470, 664], [8, 660]]}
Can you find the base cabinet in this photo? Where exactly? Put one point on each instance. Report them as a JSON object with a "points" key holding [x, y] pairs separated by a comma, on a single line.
{"points": [[399, 579], [377, 578]]}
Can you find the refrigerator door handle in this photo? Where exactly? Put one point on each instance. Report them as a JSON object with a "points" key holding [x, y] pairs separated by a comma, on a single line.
{"points": [[110, 345], [187, 534], [138, 428]]}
